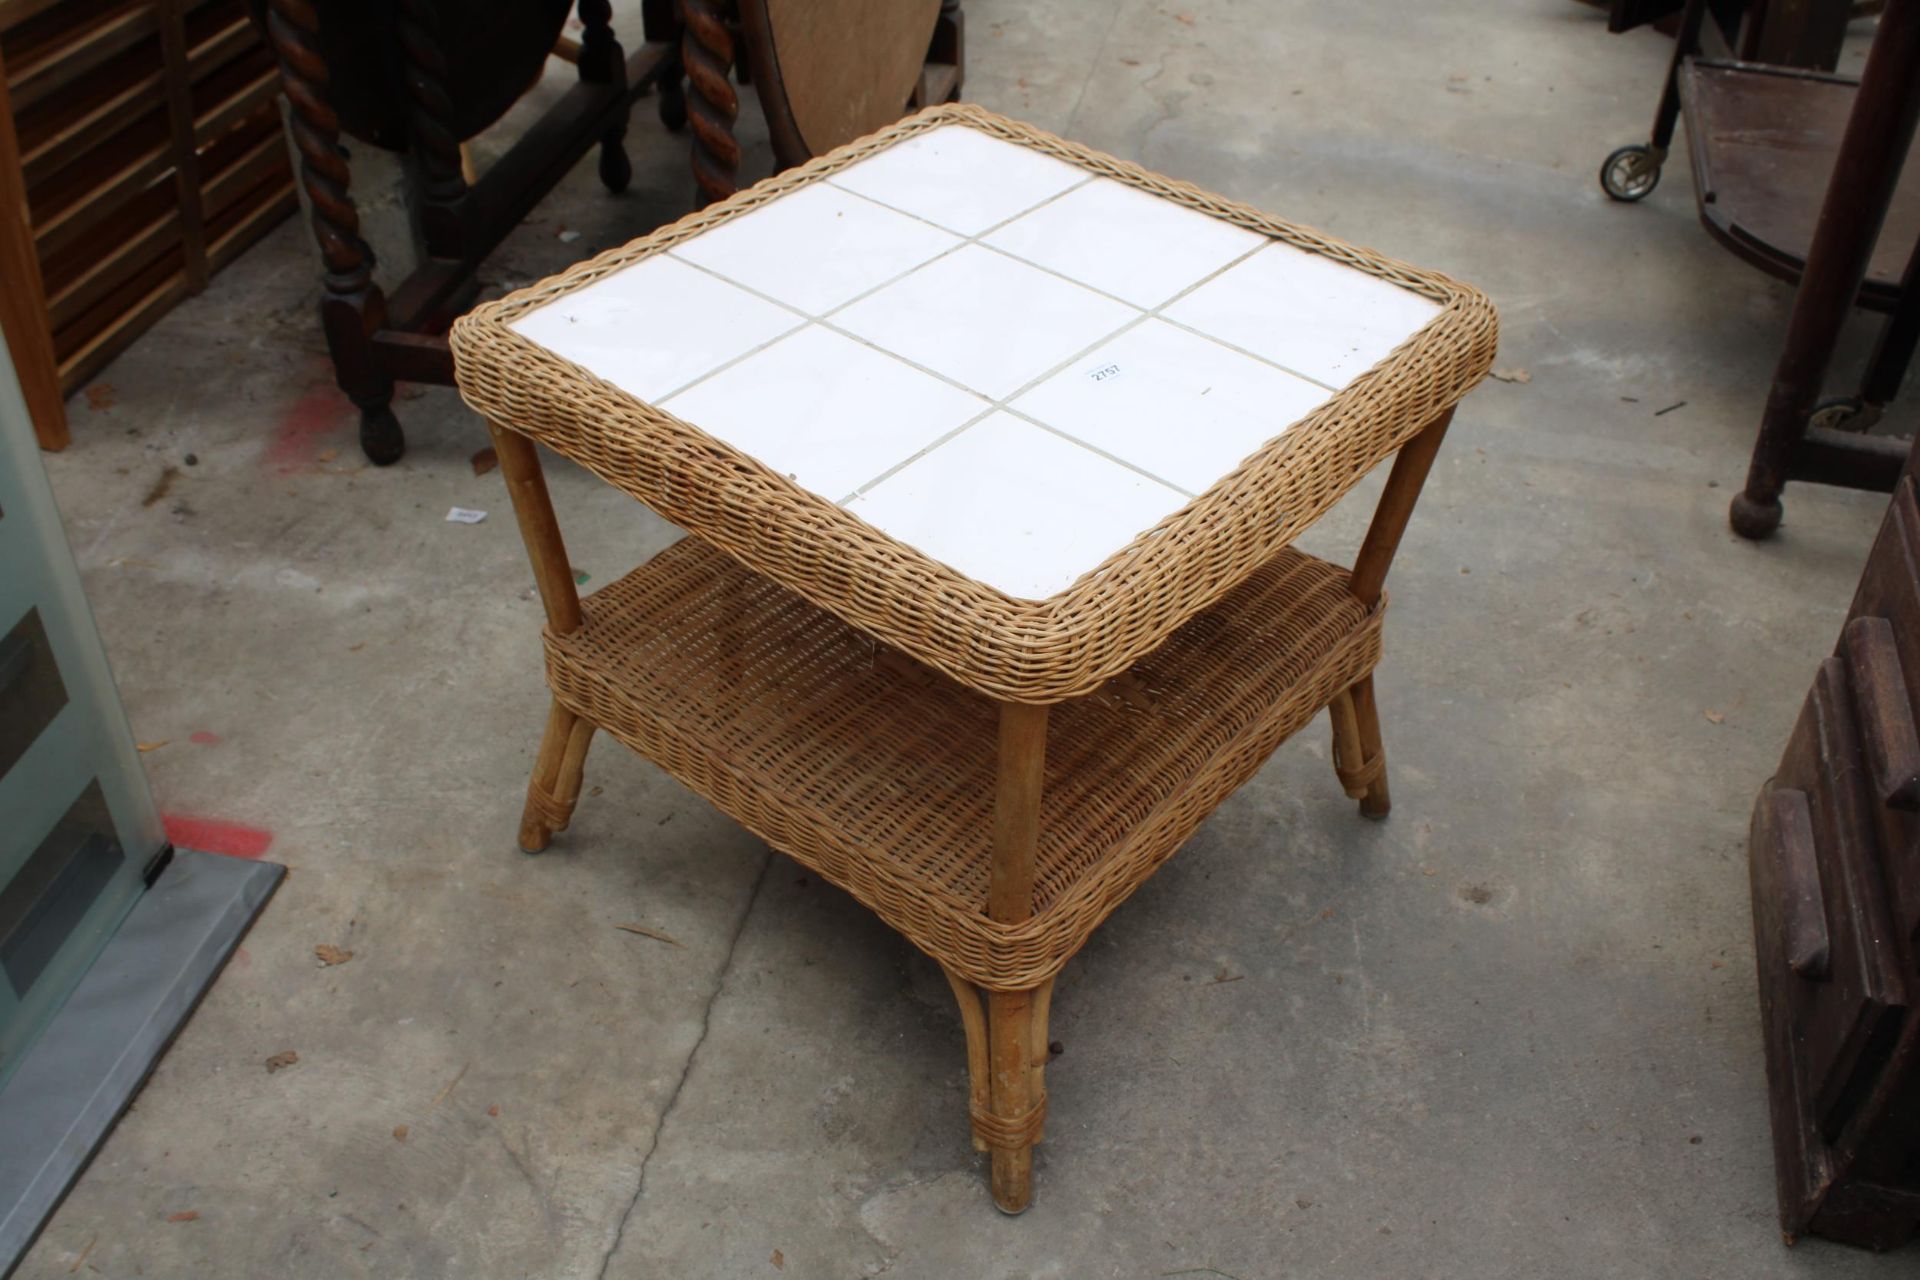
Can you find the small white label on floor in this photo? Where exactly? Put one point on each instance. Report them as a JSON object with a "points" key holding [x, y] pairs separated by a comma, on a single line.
{"points": [[461, 515], [1104, 372]]}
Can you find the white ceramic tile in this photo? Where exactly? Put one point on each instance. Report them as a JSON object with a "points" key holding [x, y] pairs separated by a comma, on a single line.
{"points": [[655, 326], [1306, 312], [983, 319], [1016, 507], [817, 247], [960, 178], [825, 411], [1176, 405], [1125, 242]]}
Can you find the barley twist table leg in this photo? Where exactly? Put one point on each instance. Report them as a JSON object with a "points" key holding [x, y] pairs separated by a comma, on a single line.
{"points": [[708, 53], [352, 307], [433, 143]]}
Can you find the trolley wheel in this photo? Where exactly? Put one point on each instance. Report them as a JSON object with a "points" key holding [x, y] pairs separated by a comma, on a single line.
{"points": [[1844, 413], [1630, 173]]}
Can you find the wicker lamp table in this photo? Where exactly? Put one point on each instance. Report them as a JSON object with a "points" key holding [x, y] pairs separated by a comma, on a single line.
{"points": [[992, 449]]}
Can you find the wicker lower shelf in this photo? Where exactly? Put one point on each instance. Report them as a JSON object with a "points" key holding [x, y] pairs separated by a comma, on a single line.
{"points": [[878, 773]]}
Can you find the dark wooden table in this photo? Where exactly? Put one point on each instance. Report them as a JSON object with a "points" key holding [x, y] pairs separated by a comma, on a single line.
{"points": [[422, 76], [1863, 222]]}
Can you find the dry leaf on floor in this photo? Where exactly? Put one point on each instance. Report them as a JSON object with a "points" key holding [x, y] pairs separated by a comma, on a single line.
{"points": [[452, 1084], [1515, 374], [161, 487], [399, 1133], [1714, 716], [485, 461], [153, 746], [285, 1058], [330, 955], [185, 1215], [494, 1110], [655, 934], [1185, 19], [327, 455], [100, 396], [779, 1260]]}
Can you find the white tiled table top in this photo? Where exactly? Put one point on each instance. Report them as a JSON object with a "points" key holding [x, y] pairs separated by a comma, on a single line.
{"points": [[988, 354]]}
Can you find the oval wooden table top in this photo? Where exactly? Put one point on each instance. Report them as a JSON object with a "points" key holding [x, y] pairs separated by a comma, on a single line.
{"points": [[830, 71], [494, 51]]}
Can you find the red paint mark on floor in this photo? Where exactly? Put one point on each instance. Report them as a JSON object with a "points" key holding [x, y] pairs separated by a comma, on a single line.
{"points": [[205, 739], [216, 835], [307, 425]]}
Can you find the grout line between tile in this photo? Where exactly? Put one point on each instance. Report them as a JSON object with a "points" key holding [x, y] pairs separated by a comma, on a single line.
{"points": [[905, 462], [1089, 180], [829, 326], [1052, 430], [1002, 403], [1254, 355], [949, 251]]}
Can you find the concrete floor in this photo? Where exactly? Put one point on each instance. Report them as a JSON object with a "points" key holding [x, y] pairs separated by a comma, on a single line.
{"points": [[1510, 1032]]}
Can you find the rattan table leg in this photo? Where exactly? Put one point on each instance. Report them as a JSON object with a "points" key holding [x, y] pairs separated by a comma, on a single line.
{"points": [[539, 527], [1395, 508], [1042, 1052], [1359, 756], [1031, 1122], [1359, 760], [1016, 1108], [1349, 761], [555, 786], [1376, 802], [974, 1019]]}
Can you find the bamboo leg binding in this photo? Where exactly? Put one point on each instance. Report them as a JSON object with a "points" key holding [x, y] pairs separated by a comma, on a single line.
{"points": [[1375, 801], [991, 1130], [555, 786], [1350, 763]]}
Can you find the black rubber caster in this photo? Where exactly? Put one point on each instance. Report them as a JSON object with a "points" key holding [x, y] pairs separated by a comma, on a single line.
{"points": [[673, 105], [616, 171], [380, 436], [1630, 173], [1754, 520]]}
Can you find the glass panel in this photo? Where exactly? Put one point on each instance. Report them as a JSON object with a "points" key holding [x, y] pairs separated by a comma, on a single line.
{"points": [[77, 825]]}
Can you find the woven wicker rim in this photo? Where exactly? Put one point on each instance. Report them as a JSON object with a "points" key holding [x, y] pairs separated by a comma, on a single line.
{"points": [[1020, 650]]}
